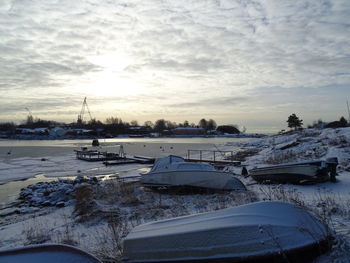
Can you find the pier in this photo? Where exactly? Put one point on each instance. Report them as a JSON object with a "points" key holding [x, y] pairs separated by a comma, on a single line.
{"points": [[95, 156], [109, 158]]}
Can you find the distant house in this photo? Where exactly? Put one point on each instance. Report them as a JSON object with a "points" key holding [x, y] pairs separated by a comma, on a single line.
{"points": [[57, 132], [36, 131], [142, 130], [188, 131]]}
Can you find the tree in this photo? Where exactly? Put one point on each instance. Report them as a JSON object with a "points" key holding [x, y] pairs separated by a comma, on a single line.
{"points": [[170, 125], [134, 123], [343, 122], [160, 125], [203, 123], [148, 124], [186, 124], [294, 122], [113, 120], [230, 129], [30, 120], [211, 125]]}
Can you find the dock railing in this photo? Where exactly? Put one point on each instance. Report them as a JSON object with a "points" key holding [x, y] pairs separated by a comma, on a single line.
{"points": [[218, 157]]}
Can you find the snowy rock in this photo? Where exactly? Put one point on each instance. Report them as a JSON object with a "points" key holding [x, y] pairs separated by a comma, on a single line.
{"points": [[48, 193], [61, 204], [9, 211]]}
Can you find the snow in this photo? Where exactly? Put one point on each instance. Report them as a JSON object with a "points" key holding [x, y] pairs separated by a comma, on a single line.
{"points": [[133, 205]]}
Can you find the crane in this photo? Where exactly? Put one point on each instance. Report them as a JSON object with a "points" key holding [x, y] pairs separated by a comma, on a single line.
{"points": [[82, 111]]}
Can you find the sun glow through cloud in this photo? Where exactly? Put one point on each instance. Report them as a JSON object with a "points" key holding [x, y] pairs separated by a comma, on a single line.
{"points": [[111, 79], [233, 61]]}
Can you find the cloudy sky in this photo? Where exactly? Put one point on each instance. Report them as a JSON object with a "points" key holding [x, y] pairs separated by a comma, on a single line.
{"points": [[250, 63]]}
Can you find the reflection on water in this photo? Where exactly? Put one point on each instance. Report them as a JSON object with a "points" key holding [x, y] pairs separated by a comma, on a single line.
{"points": [[114, 141]]}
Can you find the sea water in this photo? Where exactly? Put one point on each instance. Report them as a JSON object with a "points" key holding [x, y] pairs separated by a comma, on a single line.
{"points": [[24, 162]]}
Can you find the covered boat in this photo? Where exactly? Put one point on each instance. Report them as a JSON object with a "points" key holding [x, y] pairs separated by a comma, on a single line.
{"points": [[173, 171], [301, 172], [53, 253], [252, 232]]}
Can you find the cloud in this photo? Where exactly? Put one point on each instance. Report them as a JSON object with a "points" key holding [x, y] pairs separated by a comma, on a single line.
{"points": [[218, 102], [230, 55]]}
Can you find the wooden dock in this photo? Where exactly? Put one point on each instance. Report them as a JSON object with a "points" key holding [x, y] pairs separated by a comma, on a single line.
{"points": [[119, 162], [95, 156], [111, 158], [131, 159]]}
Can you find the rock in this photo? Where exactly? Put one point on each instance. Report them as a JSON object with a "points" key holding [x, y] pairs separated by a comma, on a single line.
{"points": [[9, 211], [61, 204], [46, 203]]}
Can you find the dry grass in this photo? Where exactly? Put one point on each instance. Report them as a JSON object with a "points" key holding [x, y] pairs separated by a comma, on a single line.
{"points": [[281, 193], [242, 155], [84, 201], [282, 156], [126, 210], [35, 232]]}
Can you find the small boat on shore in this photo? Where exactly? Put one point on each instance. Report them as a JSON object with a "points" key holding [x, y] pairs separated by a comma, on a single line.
{"points": [[174, 171], [53, 253], [256, 232], [302, 172]]}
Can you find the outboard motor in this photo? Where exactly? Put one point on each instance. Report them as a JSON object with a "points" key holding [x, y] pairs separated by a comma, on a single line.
{"points": [[244, 171], [332, 164]]}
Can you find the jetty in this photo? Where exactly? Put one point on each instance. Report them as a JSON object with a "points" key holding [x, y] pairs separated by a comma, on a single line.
{"points": [[109, 158], [131, 159], [216, 158], [95, 156]]}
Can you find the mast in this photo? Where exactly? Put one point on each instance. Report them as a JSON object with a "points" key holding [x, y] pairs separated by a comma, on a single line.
{"points": [[347, 104], [82, 111]]}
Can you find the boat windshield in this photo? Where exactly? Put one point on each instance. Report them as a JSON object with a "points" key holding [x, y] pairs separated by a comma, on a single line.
{"points": [[163, 163]]}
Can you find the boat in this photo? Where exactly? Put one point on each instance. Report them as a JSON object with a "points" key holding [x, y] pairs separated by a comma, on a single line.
{"points": [[301, 172], [261, 231], [173, 171], [95, 143], [53, 253]]}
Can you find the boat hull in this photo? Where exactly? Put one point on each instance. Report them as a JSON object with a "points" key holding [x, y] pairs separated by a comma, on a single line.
{"points": [[196, 178], [289, 174], [254, 232], [53, 253]]}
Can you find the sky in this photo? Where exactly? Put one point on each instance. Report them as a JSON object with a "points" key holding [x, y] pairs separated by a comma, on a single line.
{"points": [[250, 63]]}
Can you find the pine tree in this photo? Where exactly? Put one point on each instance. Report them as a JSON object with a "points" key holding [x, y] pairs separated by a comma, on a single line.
{"points": [[294, 122]]}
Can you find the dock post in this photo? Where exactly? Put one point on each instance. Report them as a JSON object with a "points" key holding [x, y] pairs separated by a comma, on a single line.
{"points": [[200, 155], [214, 155]]}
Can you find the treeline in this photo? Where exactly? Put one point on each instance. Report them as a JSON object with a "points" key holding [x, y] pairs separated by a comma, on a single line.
{"points": [[115, 125], [295, 123], [341, 123]]}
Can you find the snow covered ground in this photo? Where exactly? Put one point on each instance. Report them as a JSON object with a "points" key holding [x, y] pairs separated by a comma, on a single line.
{"points": [[108, 210]]}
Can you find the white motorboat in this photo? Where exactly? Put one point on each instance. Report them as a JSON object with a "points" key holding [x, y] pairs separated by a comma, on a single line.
{"points": [[173, 171], [265, 231], [312, 171]]}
